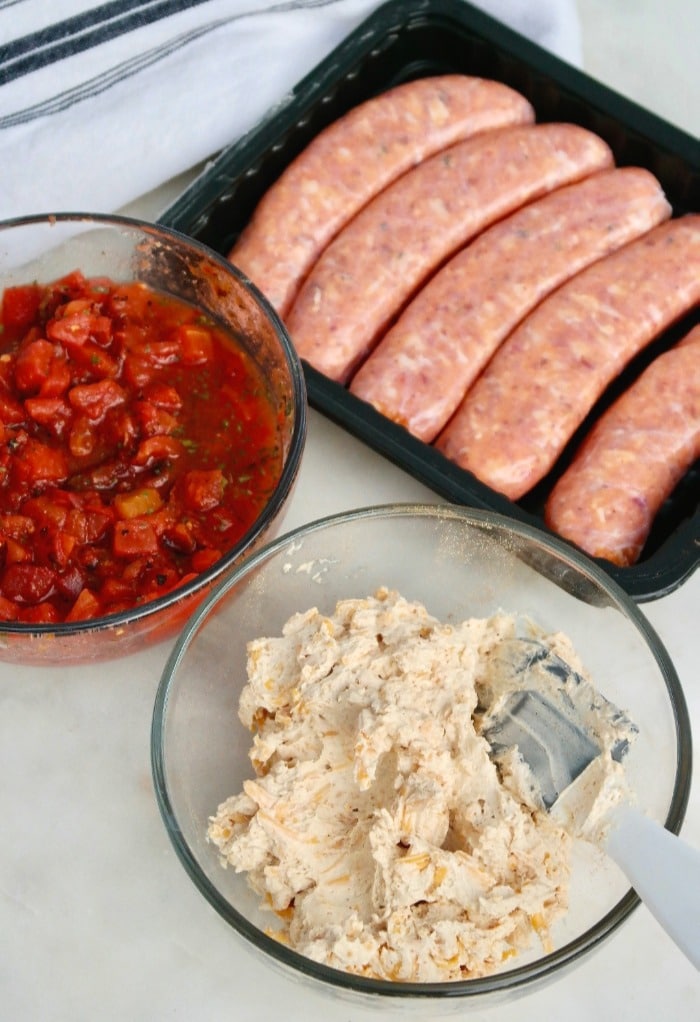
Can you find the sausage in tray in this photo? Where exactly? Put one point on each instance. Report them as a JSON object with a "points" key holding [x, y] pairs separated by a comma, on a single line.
{"points": [[354, 158], [368, 272], [545, 378], [427, 361], [482, 280], [632, 459]]}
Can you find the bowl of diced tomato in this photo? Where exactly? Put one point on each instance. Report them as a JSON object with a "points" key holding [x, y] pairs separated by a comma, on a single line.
{"points": [[152, 424]]}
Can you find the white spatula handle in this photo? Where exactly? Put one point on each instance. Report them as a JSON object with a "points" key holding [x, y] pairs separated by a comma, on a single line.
{"points": [[665, 873]]}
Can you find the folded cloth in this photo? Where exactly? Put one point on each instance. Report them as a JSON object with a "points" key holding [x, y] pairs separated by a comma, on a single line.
{"points": [[101, 103]]}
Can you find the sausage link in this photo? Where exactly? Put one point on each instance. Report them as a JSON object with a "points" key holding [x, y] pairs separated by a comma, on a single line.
{"points": [[376, 264], [632, 459], [421, 369], [544, 379], [353, 159]]}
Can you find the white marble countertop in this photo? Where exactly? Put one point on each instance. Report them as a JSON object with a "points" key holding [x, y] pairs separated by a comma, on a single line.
{"points": [[98, 920]]}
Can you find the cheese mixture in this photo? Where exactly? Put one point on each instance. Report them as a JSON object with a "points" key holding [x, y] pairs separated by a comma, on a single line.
{"points": [[379, 827]]}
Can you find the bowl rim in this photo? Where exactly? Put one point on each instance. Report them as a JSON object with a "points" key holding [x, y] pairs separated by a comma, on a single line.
{"points": [[516, 978], [290, 469]]}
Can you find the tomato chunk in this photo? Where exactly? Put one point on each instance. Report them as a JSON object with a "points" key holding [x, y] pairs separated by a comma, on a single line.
{"points": [[95, 399], [37, 463], [134, 537], [12, 411], [51, 412], [20, 305], [8, 609], [204, 490], [32, 366]]}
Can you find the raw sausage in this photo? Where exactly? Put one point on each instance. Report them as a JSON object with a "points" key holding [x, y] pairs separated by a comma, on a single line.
{"points": [[632, 459], [353, 159], [427, 361], [544, 379], [366, 275]]}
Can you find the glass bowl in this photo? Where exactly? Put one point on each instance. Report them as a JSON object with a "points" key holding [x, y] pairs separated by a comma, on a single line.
{"points": [[46, 247], [460, 563]]}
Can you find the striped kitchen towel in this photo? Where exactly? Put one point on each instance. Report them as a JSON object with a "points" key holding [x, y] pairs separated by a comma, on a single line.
{"points": [[101, 103]]}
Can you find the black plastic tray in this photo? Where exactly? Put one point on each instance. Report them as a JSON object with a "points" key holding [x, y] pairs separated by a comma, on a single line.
{"points": [[407, 39]]}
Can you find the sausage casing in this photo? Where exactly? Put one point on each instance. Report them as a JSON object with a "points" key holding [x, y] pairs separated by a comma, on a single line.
{"points": [[353, 159], [379, 260], [545, 378], [632, 459], [421, 369]]}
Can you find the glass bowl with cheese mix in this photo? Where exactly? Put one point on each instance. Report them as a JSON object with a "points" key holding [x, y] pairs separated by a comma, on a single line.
{"points": [[152, 424], [321, 771]]}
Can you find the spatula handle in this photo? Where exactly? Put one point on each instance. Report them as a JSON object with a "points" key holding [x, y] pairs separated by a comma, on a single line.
{"points": [[665, 873]]}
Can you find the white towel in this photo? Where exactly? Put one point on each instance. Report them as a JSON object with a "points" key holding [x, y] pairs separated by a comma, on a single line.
{"points": [[101, 103]]}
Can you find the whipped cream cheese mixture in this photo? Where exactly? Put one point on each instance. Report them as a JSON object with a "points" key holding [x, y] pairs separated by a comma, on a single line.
{"points": [[378, 827]]}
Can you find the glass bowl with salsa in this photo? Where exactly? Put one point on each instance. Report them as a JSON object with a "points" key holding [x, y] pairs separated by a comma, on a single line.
{"points": [[152, 424]]}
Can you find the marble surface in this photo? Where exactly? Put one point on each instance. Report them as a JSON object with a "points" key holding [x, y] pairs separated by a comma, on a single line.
{"points": [[97, 917]]}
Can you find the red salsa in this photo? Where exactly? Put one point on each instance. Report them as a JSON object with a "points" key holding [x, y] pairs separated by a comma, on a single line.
{"points": [[138, 443]]}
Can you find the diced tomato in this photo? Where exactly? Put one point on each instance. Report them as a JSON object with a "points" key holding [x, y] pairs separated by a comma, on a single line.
{"points": [[46, 510], [154, 421], [27, 583], [116, 590], [138, 372], [101, 331], [134, 537], [40, 614], [36, 463], [65, 289], [20, 306], [163, 396], [32, 366], [158, 352], [157, 448], [59, 379], [50, 412], [94, 362], [8, 610], [12, 411], [72, 329], [95, 399], [88, 527], [123, 429], [203, 489]]}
